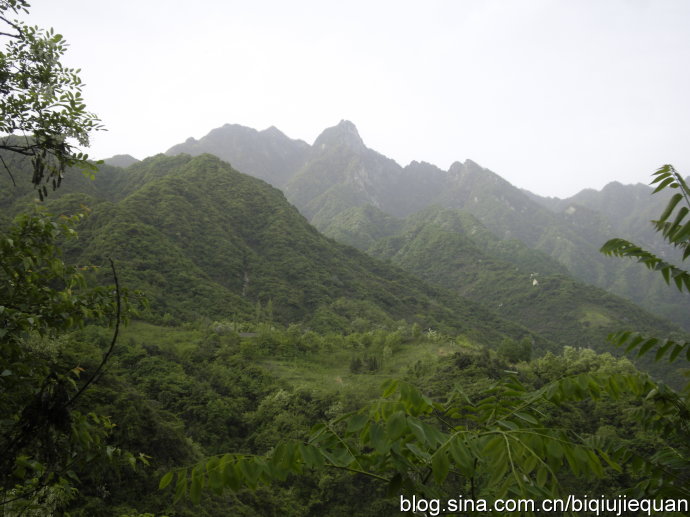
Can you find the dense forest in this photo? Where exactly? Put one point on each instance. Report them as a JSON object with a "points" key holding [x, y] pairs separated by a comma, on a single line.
{"points": [[180, 338]]}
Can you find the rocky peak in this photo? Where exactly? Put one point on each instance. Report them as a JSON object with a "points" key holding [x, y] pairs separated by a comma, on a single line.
{"points": [[274, 132], [457, 169], [345, 133]]}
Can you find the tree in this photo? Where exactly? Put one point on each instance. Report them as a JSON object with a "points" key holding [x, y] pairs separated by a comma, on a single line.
{"points": [[497, 445], [43, 115], [674, 226], [668, 414], [44, 437]]}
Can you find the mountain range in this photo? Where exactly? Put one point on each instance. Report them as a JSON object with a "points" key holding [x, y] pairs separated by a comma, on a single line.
{"points": [[338, 173], [459, 251], [203, 240]]}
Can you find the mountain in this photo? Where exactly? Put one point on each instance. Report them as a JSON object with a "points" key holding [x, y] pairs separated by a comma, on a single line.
{"points": [[339, 174], [121, 160], [201, 239], [362, 226], [452, 249], [627, 210], [267, 154]]}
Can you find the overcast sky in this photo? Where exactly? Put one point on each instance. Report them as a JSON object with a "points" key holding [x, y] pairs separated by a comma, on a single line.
{"points": [[555, 96]]}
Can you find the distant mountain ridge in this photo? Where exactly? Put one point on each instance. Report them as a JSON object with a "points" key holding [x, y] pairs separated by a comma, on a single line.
{"points": [[121, 160], [269, 154], [339, 173]]}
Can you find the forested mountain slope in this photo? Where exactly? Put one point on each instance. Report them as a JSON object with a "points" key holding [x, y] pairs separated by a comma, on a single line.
{"points": [[339, 173], [200, 238], [440, 246], [206, 242], [628, 211], [451, 248]]}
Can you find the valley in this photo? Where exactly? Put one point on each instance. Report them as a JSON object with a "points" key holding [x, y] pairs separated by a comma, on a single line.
{"points": [[257, 326]]}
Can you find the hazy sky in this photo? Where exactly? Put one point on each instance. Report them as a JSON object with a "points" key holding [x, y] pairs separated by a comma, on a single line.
{"points": [[554, 96]]}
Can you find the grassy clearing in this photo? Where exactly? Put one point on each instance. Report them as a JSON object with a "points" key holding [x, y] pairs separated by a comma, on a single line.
{"points": [[327, 371], [178, 340], [593, 317], [323, 370]]}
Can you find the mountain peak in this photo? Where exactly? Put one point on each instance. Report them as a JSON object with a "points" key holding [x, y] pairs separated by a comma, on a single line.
{"points": [[458, 168], [344, 133], [273, 131], [121, 160]]}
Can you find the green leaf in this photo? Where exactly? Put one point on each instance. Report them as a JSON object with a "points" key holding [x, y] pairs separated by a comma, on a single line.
{"points": [[615, 466], [232, 477], [389, 387], [250, 470], [512, 426], [195, 489], [311, 455], [356, 422], [440, 465], [527, 418], [338, 457], [181, 485], [665, 345], [494, 444], [674, 354], [378, 437], [418, 431], [554, 449], [646, 346], [418, 452], [396, 425], [165, 480], [462, 456], [664, 183]]}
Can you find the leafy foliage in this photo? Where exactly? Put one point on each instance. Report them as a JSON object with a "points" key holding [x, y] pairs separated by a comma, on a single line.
{"points": [[672, 224], [494, 447], [670, 416], [43, 436], [43, 113]]}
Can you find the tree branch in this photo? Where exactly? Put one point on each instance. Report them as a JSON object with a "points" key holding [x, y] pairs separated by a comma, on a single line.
{"points": [[112, 342], [8, 170], [14, 26]]}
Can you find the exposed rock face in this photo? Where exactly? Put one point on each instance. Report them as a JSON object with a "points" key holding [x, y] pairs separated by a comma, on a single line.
{"points": [[344, 134]]}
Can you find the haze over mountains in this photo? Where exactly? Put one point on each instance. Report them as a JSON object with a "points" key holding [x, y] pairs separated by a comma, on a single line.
{"points": [[333, 180]]}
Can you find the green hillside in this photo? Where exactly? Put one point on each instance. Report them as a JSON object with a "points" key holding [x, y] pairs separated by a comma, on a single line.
{"points": [[338, 174], [263, 327], [628, 210], [451, 248], [199, 238], [437, 247], [252, 326]]}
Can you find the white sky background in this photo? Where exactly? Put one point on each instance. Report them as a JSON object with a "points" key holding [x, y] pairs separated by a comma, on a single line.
{"points": [[553, 95]]}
